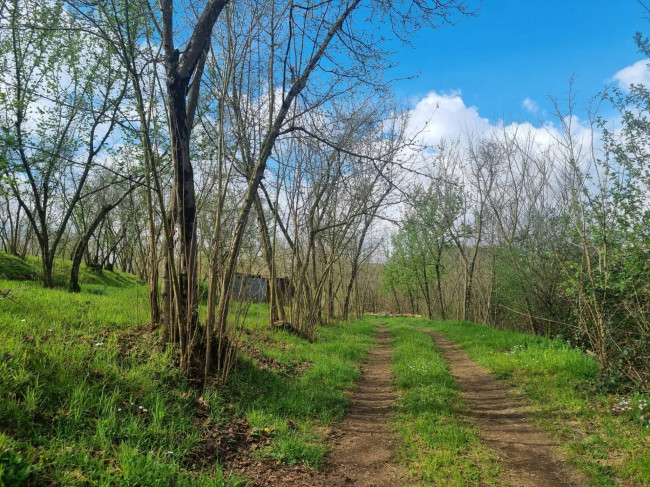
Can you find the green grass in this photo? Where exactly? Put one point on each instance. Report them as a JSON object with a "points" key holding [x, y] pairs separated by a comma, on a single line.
{"points": [[30, 272], [88, 397], [438, 447], [557, 380], [303, 392]]}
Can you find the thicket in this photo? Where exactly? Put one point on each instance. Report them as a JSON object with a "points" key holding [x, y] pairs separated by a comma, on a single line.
{"points": [[548, 238]]}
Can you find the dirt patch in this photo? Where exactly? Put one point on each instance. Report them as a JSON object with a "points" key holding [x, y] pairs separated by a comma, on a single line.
{"points": [[364, 450], [525, 453]]}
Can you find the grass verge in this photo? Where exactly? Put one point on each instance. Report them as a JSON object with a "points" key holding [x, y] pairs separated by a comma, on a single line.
{"points": [[293, 390], [437, 445], [605, 436], [88, 397]]}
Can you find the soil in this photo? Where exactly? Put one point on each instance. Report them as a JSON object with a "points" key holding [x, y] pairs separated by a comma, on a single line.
{"points": [[525, 453], [364, 450]]}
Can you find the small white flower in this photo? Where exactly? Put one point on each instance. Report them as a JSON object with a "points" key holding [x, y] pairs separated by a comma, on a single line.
{"points": [[119, 409], [22, 321], [99, 344]]}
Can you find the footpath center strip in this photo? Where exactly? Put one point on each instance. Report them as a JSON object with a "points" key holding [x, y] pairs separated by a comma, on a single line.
{"points": [[525, 452]]}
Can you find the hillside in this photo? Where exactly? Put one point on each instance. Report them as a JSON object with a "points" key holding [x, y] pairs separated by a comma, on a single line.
{"points": [[91, 398]]}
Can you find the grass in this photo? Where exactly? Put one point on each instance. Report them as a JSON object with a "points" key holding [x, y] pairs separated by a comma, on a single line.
{"points": [[437, 445], [605, 436], [298, 406], [88, 397], [30, 272]]}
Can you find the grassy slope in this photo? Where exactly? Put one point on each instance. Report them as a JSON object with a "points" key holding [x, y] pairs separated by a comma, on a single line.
{"points": [[29, 271], [437, 446], [75, 370], [556, 380], [87, 397]]}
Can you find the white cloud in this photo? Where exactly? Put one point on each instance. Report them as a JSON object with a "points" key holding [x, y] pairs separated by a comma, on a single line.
{"points": [[440, 116], [637, 73], [445, 116], [530, 105]]}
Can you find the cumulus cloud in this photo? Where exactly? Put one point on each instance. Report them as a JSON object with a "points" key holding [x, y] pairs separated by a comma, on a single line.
{"points": [[637, 73], [440, 116], [530, 105], [446, 116]]}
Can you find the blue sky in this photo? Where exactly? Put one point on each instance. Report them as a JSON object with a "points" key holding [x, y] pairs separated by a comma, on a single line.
{"points": [[513, 50]]}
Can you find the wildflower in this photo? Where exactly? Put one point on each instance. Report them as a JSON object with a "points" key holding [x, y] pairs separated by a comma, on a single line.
{"points": [[119, 409], [99, 344]]}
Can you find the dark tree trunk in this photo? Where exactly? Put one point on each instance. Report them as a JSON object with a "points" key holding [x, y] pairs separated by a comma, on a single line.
{"points": [[441, 300], [81, 247], [182, 100], [48, 265]]}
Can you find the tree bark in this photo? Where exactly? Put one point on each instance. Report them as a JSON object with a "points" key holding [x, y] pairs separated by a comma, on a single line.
{"points": [[181, 70]]}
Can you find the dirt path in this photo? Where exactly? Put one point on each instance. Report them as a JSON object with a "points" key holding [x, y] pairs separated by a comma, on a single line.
{"points": [[363, 446], [526, 454], [364, 449]]}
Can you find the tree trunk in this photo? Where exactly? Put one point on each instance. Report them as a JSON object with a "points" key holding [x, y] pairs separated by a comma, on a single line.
{"points": [[397, 303], [80, 249], [186, 210], [427, 292], [48, 265], [439, 280], [154, 308], [276, 310], [85, 238]]}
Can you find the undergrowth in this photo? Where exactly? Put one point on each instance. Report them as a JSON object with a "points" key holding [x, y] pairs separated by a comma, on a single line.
{"points": [[89, 397]]}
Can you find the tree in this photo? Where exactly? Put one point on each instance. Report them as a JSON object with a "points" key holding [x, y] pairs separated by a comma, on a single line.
{"points": [[61, 95]]}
